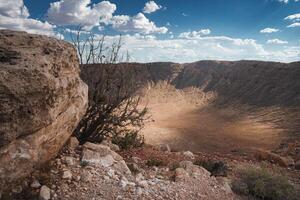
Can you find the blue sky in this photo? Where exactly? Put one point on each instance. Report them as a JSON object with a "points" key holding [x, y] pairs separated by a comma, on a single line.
{"points": [[171, 30]]}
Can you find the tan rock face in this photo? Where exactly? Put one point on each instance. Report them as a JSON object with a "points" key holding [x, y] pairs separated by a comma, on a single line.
{"points": [[42, 99]]}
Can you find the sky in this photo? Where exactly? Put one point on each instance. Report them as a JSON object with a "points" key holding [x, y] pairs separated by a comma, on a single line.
{"points": [[170, 30]]}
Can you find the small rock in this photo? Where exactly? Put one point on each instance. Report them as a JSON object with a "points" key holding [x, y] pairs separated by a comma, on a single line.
{"points": [[44, 193], [131, 184], [123, 182], [189, 154], [35, 184], [72, 143], [143, 184], [77, 178], [111, 172], [136, 160], [67, 174], [139, 191], [139, 177], [86, 176], [122, 167], [181, 174], [68, 160], [119, 197]]}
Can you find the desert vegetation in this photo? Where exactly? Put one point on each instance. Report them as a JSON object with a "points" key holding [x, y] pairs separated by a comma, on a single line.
{"points": [[114, 107], [262, 183]]}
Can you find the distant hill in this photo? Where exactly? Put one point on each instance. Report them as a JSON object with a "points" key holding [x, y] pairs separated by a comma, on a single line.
{"points": [[254, 83]]}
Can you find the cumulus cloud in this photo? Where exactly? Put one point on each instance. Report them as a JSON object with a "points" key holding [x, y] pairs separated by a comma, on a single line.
{"points": [[277, 41], [295, 18], [151, 7], [148, 48], [194, 34], [138, 23], [14, 15], [269, 30], [80, 12]]}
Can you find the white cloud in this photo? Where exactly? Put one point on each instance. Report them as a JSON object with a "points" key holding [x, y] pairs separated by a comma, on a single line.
{"points": [[151, 49], [269, 30], [296, 24], [80, 12], [194, 34], [294, 17], [15, 16], [138, 23], [277, 41], [151, 7]]}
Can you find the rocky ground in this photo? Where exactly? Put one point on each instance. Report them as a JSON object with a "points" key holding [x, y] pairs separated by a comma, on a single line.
{"points": [[97, 172]]}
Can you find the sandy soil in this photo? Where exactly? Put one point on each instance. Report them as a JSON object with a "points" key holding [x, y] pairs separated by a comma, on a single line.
{"points": [[188, 126]]}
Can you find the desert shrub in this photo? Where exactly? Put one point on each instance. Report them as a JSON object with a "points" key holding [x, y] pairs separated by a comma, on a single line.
{"points": [[129, 140], [263, 184], [114, 106], [154, 162], [216, 168]]}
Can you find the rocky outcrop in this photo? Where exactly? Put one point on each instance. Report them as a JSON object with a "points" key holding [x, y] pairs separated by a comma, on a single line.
{"points": [[42, 99]]}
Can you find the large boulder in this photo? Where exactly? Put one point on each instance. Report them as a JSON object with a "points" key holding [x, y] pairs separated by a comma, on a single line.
{"points": [[42, 99]]}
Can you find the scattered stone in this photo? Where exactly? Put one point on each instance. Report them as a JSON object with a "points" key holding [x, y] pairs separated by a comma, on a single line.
{"points": [[93, 158], [136, 160], [139, 191], [35, 184], [111, 173], [143, 184], [67, 174], [123, 182], [68, 160], [225, 183], [189, 154], [180, 175], [77, 178], [86, 176], [98, 154], [44, 193], [72, 143], [139, 177], [121, 167]]}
